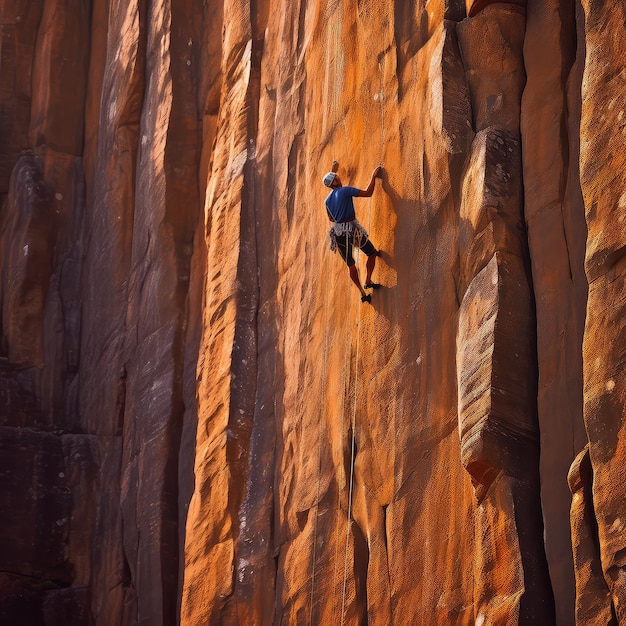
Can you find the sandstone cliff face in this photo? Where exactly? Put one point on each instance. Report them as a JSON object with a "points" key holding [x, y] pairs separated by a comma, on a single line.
{"points": [[200, 423]]}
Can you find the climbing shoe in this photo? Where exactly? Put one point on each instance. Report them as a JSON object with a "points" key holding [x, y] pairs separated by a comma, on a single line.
{"points": [[366, 298], [372, 286]]}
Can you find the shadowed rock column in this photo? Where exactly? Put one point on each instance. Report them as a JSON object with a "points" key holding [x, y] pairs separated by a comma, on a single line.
{"points": [[166, 214], [49, 477], [496, 345], [496, 371], [554, 214], [113, 109], [30, 233], [18, 33]]}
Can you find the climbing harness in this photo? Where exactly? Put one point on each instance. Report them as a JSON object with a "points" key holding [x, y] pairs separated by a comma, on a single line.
{"points": [[340, 229]]}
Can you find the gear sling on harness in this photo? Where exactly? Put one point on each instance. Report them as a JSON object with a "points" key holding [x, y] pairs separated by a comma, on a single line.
{"points": [[343, 235]]}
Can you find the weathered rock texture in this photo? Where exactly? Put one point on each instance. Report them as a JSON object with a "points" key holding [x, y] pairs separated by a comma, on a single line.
{"points": [[603, 129], [200, 423]]}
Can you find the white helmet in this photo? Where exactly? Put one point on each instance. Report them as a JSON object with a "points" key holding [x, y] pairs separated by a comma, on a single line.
{"points": [[329, 178]]}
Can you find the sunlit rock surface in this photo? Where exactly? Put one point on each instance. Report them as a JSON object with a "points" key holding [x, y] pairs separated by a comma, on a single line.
{"points": [[200, 423]]}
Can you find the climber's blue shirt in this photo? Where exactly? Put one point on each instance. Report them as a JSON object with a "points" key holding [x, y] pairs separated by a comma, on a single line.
{"points": [[339, 203]]}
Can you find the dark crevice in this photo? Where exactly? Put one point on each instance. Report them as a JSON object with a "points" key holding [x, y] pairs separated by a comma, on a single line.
{"points": [[121, 401], [480, 5], [361, 565]]}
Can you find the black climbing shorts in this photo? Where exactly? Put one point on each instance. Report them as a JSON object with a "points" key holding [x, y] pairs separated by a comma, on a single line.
{"points": [[345, 243]]}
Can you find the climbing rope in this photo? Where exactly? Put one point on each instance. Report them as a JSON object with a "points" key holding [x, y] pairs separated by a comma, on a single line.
{"points": [[381, 96], [319, 458], [335, 78], [344, 379], [352, 460], [353, 443], [336, 103]]}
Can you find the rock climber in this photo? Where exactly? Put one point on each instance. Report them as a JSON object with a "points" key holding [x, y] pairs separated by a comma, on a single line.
{"points": [[346, 231]]}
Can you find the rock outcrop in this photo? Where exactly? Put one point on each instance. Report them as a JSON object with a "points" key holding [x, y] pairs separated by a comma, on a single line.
{"points": [[200, 423]]}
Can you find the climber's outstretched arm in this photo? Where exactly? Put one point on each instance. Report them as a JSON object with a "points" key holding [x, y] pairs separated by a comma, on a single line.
{"points": [[369, 190]]}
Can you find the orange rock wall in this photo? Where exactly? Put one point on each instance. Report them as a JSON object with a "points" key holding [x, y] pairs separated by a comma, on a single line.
{"points": [[199, 419], [603, 192]]}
